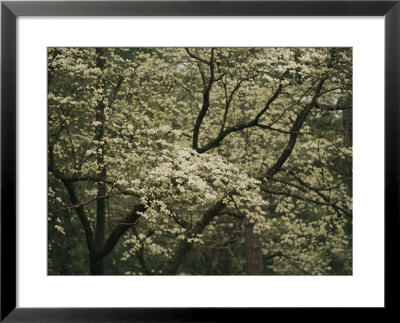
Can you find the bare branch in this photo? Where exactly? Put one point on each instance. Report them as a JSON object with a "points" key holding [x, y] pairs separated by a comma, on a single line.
{"points": [[198, 58]]}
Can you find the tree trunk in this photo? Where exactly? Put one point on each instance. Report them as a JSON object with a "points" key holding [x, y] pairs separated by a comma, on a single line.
{"points": [[100, 152], [176, 260], [348, 142], [65, 254], [184, 247], [225, 262], [96, 265], [348, 127], [253, 246]]}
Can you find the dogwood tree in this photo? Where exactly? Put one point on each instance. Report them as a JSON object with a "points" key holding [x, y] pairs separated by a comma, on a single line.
{"points": [[200, 160]]}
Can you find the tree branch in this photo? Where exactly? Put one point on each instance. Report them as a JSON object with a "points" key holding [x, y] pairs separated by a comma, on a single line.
{"points": [[301, 117], [81, 215], [74, 206], [339, 210], [120, 229], [206, 103], [198, 58], [335, 108], [184, 246], [242, 126]]}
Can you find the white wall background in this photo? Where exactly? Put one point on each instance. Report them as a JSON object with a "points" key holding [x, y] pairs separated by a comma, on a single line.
{"points": [[364, 288]]}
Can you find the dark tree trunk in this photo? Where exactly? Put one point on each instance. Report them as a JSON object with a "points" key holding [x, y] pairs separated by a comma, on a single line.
{"points": [[176, 260], [96, 265], [65, 254], [184, 247], [100, 152], [348, 142], [348, 127], [225, 262], [253, 246]]}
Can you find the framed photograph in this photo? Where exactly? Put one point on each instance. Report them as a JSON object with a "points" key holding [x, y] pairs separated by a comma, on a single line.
{"points": [[186, 160]]}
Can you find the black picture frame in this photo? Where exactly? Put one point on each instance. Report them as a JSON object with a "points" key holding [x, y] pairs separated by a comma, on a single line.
{"points": [[10, 10]]}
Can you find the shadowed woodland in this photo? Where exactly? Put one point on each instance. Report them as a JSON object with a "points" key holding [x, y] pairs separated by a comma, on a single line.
{"points": [[200, 161]]}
